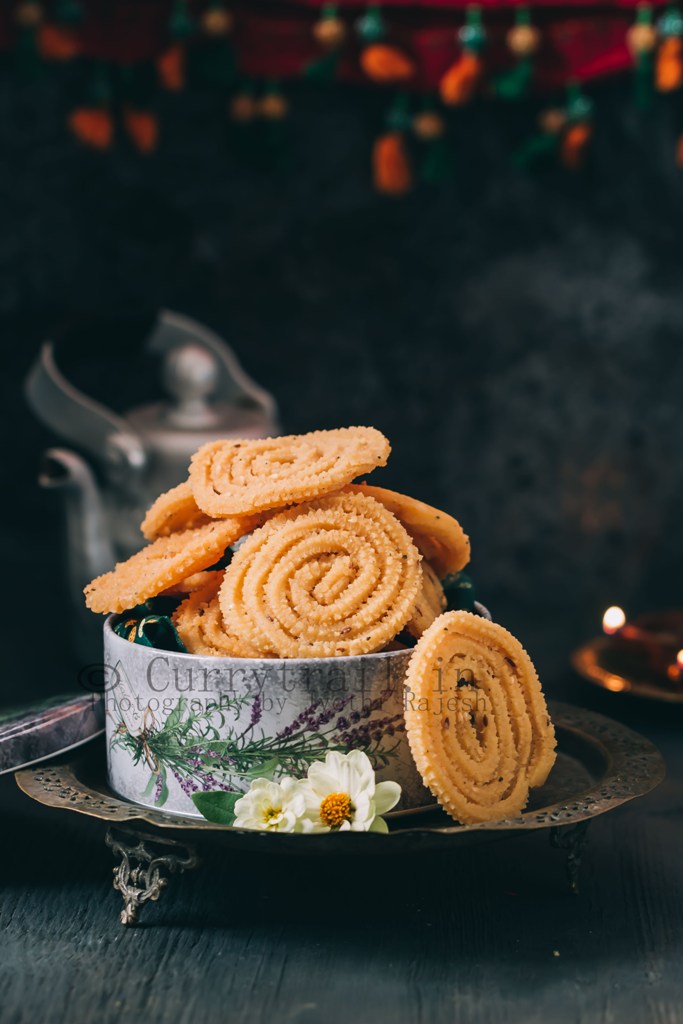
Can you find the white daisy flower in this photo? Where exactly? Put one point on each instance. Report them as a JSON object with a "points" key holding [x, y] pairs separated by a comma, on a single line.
{"points": [[341, 795], [273, 806]]}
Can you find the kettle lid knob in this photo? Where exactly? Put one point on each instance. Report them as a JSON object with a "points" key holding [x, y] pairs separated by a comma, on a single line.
{"points": [[191, 375]]}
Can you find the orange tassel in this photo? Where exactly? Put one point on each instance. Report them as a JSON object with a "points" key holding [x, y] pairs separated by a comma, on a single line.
{"points": [[460, 82], [171, 68], [669, 66], [92, 126], [142, 128], [385, 63], [390, 166], [57, 43], [574, 143]]}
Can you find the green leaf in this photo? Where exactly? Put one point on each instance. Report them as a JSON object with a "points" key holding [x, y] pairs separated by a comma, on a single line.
{"points": [[263, 770], [175, 716], [163, 795], [150, 785], [218, 807]]}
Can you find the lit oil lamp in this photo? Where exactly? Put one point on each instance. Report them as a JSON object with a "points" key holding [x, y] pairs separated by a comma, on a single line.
{"points": [[675, 671], [643, 657]]}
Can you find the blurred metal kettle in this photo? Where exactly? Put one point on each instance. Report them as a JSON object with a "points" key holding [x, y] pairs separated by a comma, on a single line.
{"points": [[135, 456]]}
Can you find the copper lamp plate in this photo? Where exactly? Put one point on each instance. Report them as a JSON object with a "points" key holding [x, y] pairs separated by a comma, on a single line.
{"points": [[609, 666]]}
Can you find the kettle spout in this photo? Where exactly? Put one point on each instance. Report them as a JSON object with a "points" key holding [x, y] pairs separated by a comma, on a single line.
{"points": [[89, 549]]}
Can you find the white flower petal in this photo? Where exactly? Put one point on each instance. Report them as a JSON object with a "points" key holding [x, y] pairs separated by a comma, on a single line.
{"points": [[387, 795]]}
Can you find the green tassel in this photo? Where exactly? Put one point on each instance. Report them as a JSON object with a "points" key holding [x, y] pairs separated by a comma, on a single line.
{"points": [[328, 12], [536, 149], [398, 117], [99, 90], [370, 26], [324, 68], [514, 84], [180, 24], [68, 12], [438, 164], [643, 90], [579, 106]]}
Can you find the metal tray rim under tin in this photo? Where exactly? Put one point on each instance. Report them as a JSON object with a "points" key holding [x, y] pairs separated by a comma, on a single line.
{"points": [[624, 764]]}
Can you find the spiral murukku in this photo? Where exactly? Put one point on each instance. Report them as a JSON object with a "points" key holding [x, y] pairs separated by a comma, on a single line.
{"points": [[476, 718], [172, 511], [176, 510], [439, 537], [238, 477], [335, 576], [197, 581], [430, 603], [203, 630], [160, 565]]}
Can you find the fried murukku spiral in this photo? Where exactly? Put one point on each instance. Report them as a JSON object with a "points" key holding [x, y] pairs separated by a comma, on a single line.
{"points": [[335, 576], [431, 602], [160, 565], [476, 718], [197, 581], [176, 510], [172, 511], [439, 537], [201, 626], [238, 477]]}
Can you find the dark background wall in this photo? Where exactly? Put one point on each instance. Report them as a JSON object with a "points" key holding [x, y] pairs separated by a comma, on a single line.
{"points": [[516, 334]]}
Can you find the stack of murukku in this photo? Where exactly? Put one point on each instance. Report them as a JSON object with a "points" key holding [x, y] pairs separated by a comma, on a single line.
{"points": [[325, 568], [328, 568]]}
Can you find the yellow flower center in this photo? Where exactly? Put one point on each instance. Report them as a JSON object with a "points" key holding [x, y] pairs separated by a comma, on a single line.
{"points": [[271, 812], [335, 809]]}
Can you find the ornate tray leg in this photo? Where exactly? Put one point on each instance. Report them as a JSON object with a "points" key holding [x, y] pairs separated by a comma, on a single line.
{"points": [[573, 839], [145, 862]]}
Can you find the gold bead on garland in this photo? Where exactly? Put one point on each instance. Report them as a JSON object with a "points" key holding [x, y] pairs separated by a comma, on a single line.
{"points": [[641, 40], [330, 31], [523, 40], [216, 21]]}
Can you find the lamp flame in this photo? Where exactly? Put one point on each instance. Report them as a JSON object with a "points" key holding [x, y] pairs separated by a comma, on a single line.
{"points": [[679, 660], [613, 620]]}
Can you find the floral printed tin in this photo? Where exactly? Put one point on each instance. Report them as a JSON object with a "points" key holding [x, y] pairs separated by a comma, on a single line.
{"points": [[180, 723]]}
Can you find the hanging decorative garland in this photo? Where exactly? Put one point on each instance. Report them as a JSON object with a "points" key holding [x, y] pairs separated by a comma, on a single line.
{"points": [[441, 55]]}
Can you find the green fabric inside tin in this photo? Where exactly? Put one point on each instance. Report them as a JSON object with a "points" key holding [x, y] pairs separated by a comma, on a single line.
{"points": [[459, 590], [149, 624]]}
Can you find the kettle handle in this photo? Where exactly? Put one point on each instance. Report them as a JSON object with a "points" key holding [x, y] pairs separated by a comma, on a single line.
{"points": [[174, 329], [83, 421]]}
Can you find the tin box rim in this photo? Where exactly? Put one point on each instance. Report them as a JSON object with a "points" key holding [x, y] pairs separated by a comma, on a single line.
{"points": [[114, 638]]}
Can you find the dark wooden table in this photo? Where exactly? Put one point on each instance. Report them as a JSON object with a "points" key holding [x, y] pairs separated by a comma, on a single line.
{"points": [[487, 934]]}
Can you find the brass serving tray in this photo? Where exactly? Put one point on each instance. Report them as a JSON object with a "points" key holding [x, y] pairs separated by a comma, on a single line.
{"points": [[600, 765]]}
